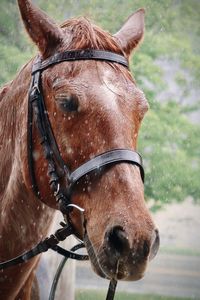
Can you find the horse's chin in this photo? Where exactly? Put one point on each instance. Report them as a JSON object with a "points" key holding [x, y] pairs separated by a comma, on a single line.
{"points": [[124, 276], [107, 269]]}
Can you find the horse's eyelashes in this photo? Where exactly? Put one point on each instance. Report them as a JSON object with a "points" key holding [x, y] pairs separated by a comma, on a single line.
{"points": [[68, 103]]}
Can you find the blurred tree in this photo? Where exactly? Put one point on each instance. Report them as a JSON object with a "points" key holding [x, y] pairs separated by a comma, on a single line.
{"points": [[168, 140], [171, 148]]}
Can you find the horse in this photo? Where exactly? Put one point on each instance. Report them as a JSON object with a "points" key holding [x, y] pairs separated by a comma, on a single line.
{"points": [[93, 106]]}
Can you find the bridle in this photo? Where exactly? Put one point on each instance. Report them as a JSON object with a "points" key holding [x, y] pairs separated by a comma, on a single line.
{"points": [[58, 171], [48, 141]]}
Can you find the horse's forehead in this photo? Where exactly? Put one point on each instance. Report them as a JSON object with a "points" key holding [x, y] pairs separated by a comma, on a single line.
{"points": [[86, 70], [116, 82], [105, 77], [101, 82]]}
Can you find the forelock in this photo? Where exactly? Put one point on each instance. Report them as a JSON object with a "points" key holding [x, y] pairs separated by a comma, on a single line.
{"points": [[86, 35]]}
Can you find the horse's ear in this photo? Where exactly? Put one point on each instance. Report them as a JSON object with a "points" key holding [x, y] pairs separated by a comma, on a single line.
{"points": [[42, 30], [131, 33]]}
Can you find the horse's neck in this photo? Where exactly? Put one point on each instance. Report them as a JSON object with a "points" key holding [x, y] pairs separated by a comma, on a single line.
{"points": [[12, 126], [23, 217]]}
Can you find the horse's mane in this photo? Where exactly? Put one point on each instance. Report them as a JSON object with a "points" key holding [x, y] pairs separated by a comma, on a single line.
{"points": [[85, 35], [3, 90]]}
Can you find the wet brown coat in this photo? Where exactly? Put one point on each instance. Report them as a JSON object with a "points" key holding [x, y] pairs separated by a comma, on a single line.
{"points": [[110, 111]]}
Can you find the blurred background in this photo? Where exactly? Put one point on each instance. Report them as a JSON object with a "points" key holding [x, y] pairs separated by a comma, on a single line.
{"points": [[167, 68]]}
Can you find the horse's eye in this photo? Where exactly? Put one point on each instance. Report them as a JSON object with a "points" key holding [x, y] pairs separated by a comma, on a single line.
{"points": [[68, 103]]}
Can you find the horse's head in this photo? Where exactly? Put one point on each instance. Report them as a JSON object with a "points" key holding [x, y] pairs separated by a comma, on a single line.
{"points": [[95, 106]]}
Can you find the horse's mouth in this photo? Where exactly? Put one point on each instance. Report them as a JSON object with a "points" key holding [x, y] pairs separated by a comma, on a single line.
{"points": [[115, 268], [93, 258]]}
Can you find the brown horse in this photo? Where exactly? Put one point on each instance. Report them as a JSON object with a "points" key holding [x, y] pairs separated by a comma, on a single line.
{"points": [[106, 112]]}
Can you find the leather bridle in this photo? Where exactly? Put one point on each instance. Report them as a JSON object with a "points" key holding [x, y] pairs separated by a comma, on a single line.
{"points": [[48, 141], [57, 169]]}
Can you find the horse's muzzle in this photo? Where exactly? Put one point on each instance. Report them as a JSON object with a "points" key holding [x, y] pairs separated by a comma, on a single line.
{"points": [[120, 257]]}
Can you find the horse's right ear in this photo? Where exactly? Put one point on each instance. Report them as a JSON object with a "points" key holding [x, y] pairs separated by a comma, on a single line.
{"points": [[131, 33], [42, 30]]}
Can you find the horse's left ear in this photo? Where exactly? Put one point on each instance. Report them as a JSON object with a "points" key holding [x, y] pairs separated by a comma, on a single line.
{"points": [[42, 30], [131, 33]]}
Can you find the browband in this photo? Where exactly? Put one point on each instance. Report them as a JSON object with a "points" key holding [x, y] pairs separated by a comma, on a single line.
{"points": [[87, 54]]}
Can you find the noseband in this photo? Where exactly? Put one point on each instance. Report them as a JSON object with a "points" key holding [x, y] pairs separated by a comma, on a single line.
{"points": [[58, 171]]}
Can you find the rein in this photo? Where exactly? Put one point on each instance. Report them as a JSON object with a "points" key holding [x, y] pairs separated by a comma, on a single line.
{"points": [[58, 171]]}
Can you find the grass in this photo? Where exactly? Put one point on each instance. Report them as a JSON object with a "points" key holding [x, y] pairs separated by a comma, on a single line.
{"points": [[100, 295], [179, 251]]}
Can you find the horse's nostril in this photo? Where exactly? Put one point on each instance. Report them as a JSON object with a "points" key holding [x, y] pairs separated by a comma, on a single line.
{"points": [[146, 249], [117, 240], [155, 245]]}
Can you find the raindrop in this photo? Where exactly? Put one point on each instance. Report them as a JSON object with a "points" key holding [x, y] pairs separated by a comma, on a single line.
{"points": [[36, 155], [69, 150]]}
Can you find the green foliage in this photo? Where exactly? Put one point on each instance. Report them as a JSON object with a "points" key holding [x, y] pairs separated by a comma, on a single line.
{"points": [[171, 148], [168, 141], [12, 58], [14, 49]]}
